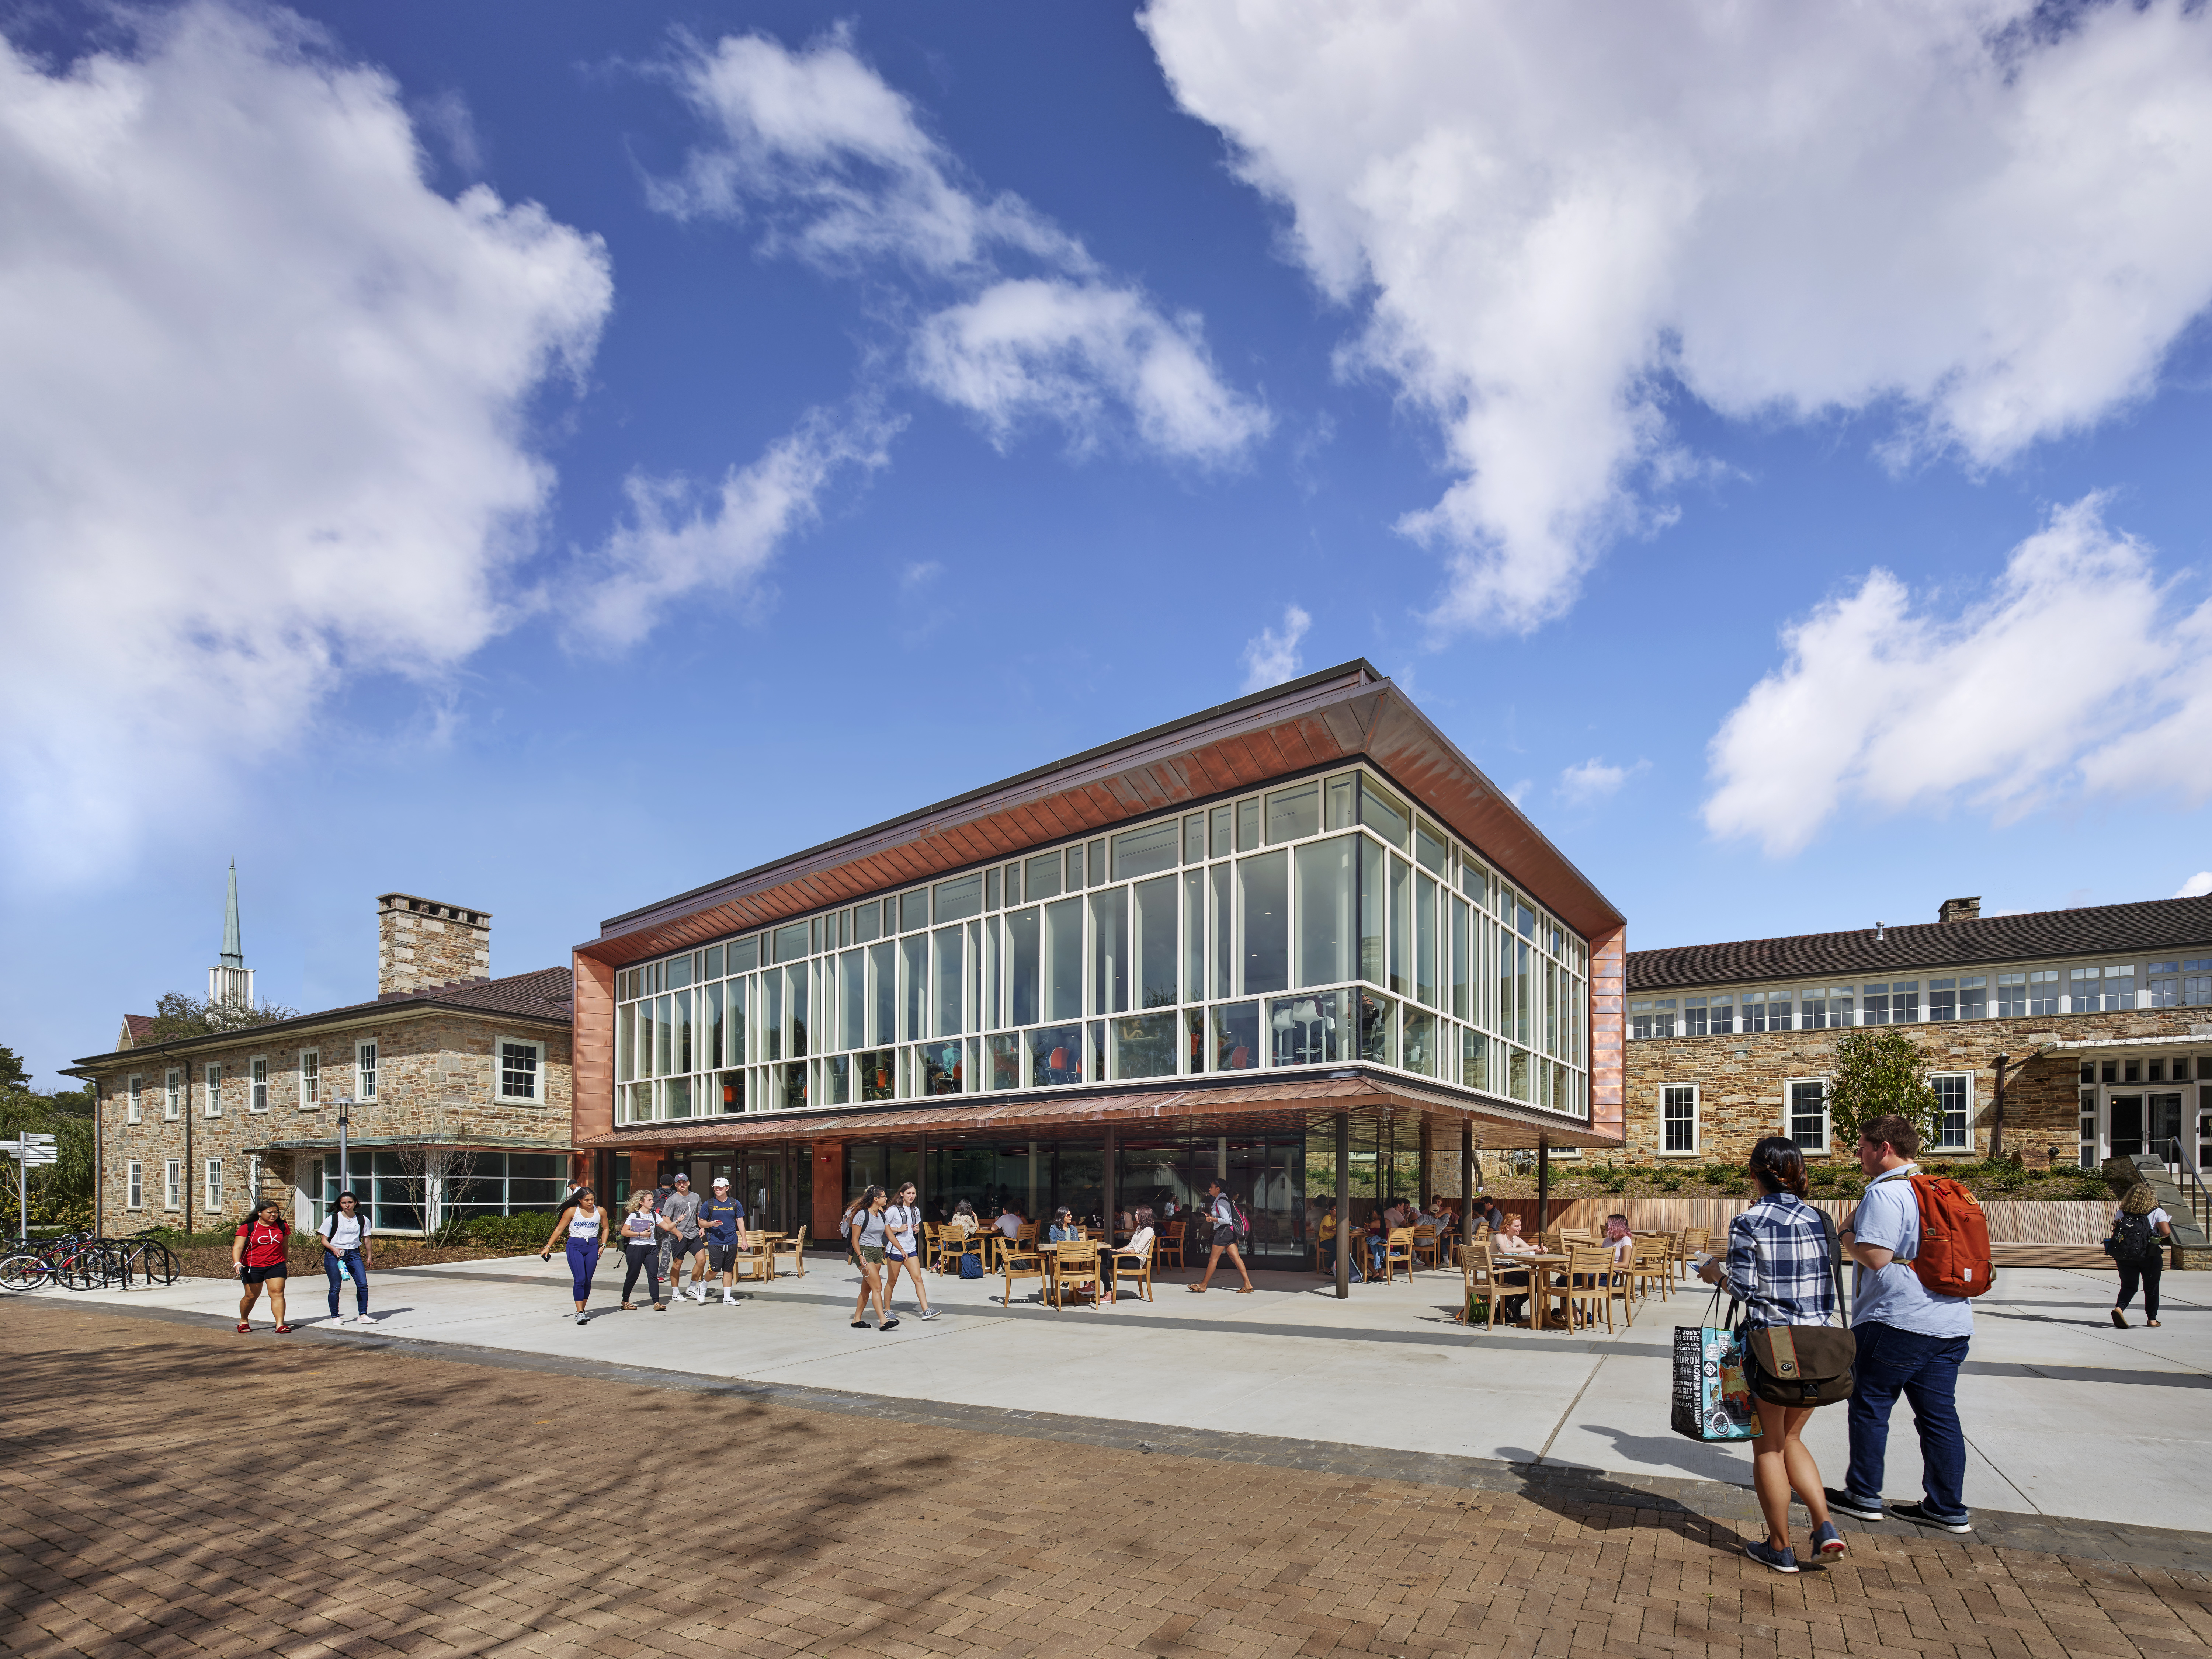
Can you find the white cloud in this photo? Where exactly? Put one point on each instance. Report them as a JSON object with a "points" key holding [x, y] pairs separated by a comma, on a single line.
{"points": [[676, 544], [920, 574], [836, 166], [1594, 780], [2072, 674], [1990, 226], [1271, 657], [2197, 886], [263, 417], [1519, 791]]}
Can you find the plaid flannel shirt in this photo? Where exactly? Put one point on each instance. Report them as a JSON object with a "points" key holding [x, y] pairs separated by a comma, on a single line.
{"points": [[1777, 1263]]}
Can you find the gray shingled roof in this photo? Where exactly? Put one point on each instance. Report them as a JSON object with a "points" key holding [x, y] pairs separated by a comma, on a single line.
{"points": [[2147, 927]]}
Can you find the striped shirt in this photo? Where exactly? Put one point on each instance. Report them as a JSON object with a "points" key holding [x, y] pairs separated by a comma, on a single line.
{"points": [[1777, 1263]]}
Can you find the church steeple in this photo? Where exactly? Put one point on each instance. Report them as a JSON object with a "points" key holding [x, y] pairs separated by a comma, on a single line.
{"points": [[232, 982]]}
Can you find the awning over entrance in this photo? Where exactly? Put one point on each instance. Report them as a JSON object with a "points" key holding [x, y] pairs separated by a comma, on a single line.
{"points": [[1277, 1104]]}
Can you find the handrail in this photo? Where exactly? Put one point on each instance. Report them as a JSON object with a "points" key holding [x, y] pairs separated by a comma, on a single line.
{"points": [[2178, 1157]]}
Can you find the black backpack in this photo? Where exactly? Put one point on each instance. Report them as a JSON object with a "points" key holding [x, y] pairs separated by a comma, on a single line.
{"points": [[2131, 1240]]}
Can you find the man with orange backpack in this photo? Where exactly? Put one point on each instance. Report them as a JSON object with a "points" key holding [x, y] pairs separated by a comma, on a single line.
{"points": [[1922, 1247]]}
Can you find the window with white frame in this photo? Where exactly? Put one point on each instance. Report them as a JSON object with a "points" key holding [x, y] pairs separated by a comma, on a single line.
{"points": [[211, 1187], [1967, 996], [172, 1082], [258, 1088], [172, 1183], [211, 1089], [1766, 1011], [134, 1185], [310, 1078], [1953, 1097], [1809, 1113], [1651, 1018], [1678, 1118], [134, 1099], [520, 1063], [2012, 995], [2042, 992], [1708, 1016], [364, 1071], [1820, 1008]]}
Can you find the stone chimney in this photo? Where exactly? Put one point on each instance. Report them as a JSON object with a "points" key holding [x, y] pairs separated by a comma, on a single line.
{"points": [[421, 943], [1960, 910]]}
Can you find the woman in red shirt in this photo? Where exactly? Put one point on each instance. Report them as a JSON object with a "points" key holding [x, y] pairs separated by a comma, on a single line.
{"points": [[257, 1252]]}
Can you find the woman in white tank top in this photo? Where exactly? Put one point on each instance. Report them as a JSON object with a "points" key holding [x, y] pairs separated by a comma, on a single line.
{"points": [[583, 1225]]}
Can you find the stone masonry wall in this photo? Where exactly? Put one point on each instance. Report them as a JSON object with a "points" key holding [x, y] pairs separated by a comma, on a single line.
{"points": [[435, 1077], [421, 942], [1742, 1099]]}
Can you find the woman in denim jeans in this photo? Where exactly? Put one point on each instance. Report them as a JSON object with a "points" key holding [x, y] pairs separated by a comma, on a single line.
{"points": [[345, 1252]]}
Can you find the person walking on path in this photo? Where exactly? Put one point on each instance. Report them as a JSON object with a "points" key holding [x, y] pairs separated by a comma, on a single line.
{"points": [[2141, 1232], [258, 1251], [640, 1237], [902, 1248], [722, 1230], [679, 1217], [1223, 1214], [1910, 1342], [345, 1252], [865, 1231], [583, 1223], [1777, 1267]]}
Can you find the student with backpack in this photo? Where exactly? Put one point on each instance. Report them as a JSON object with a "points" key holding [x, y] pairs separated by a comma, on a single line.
{"points": [[865, 1231], [1921, 1244], [1229, 1226], [2141, 1232], [902, 1248], [345, 1252], [640, 1238], [258, 1251]]}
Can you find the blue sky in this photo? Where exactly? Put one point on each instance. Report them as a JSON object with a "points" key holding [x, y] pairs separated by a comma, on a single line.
{"points": [[546, 471]]}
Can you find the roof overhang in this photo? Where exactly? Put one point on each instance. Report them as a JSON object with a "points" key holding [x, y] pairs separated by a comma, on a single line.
{"points": [[1331, 718], [346, 1019], [2050, 1042], [1281, 1103], [329, 1142]]}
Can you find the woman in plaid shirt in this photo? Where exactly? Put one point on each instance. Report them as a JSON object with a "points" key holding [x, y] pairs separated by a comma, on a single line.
{"points": [[1778, 1267]]}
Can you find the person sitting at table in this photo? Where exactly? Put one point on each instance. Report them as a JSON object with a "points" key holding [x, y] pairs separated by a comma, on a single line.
{"points": [[1064, 1229], [1010, 1222], [1400, 1214], [1507, 1241], [963, 1220], [1485, 1208], [1442, 1212]]}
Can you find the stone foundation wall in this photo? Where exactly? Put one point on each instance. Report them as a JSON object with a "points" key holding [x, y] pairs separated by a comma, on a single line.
{"points": [[1740, 1079]]}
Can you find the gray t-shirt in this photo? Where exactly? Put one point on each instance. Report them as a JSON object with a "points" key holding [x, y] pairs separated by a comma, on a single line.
{"points": [[681, 1210], [868, 1230], [1889, 1217]]}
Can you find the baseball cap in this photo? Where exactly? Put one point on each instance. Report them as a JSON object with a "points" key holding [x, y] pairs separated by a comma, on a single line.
{"points": [[680, 1176], [721, 1180]]}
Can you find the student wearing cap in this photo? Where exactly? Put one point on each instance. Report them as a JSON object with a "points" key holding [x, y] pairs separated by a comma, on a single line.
{"points": [[679, 1217], [722, 1226]]}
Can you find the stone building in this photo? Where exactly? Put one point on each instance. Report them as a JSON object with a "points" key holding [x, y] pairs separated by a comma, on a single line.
{"points": [[455, 1087], [2097, 1023]]}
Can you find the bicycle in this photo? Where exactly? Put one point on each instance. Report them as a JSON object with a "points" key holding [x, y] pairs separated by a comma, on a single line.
{"points": [[23, 1272], [149, 1255]]}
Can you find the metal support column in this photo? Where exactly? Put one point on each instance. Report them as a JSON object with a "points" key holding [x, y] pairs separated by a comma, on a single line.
{"points": [[1344, 1204], [1467, 1179], [1543, 1184]]}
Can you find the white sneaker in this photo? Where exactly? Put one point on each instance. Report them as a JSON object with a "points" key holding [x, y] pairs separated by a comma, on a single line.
{"points": [[698, 1293], [583, 1319], [348, 1320], [729, 1297]]}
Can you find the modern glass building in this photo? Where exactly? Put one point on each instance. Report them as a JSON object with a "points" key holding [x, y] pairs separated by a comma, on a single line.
{"points": [[1202, 951]]}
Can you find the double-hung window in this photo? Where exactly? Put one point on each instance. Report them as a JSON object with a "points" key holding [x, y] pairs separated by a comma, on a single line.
{"points": [[172, 1082], [310, 1078], [1766, 1011], [2012, 995], [1953, 1108], [2196, 982], [213, 1185], [2043, 991], [258, 1088], [2085, 990], [519, 1065], [1809, 1113], [134, 1100], [1708, 1016], [2164, 988], [364, 1071], [1678, 1118], [1652, 1018], [172, 1183], [134, 1185], [1824, 1008], [211, 1089]]}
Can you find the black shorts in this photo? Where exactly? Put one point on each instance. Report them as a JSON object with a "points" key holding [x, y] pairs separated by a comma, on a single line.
{"points": [[258, 1275], [1224, 1235], [720, 1254], [683, 1250]]}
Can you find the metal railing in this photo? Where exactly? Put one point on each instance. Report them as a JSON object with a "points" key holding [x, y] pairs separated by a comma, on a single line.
{"points": [[2179, 1155]]}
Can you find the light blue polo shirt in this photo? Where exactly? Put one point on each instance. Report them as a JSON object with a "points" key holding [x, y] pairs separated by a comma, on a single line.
{"points": [[1888, 1218]]}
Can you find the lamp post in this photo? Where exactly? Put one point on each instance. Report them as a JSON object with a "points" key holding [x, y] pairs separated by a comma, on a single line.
{"points": [[345, 1163]]}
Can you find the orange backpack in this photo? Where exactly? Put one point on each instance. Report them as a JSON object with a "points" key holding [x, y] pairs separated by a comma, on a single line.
{"points": [[1953, 1259]]}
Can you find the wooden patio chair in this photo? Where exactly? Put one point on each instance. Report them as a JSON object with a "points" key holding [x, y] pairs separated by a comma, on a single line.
{"points": [[1482, 1275], [1690, 1241], [1134, 1267], [1552, 1240], [1590, 1281], [951, 1244], [1169, 1250], [1075, 1264], [1397, 1249], [755, 1260], [1652, 1262], [1426, 1248], [795, 1248], [1020, 1263]]}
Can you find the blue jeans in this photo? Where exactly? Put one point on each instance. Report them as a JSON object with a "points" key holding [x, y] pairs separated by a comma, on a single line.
{"points": [[1925, 1370], [337, 1267]]}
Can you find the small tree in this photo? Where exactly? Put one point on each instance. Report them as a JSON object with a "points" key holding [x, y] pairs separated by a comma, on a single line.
{"points": [[180, 1014], [438, 1163], [1879, 1071]]}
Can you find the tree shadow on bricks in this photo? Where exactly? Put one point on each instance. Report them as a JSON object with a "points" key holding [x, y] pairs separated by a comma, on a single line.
{"points": [[1592, 1497]]}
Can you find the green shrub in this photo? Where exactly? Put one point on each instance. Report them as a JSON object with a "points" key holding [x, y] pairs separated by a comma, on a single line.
{"points": [[524, 1230], [1670, 1184]]}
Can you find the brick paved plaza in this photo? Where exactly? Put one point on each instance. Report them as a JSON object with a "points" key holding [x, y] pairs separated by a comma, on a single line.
{"points": [[176, 1489]]}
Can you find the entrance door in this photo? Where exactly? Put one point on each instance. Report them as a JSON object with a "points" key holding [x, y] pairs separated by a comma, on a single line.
{"points": [[760, 1189], [2162, 1127], [2123, 1125]]}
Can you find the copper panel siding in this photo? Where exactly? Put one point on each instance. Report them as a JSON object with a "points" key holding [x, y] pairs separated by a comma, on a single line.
{"points": [[591, 1056], [1608, 1097]]}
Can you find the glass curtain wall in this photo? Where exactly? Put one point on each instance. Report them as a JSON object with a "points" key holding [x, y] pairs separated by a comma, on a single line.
{"points": [[1320, 922]]}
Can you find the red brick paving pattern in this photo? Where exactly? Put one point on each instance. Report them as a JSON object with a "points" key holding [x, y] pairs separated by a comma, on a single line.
{"points": [[174, 1491]]}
